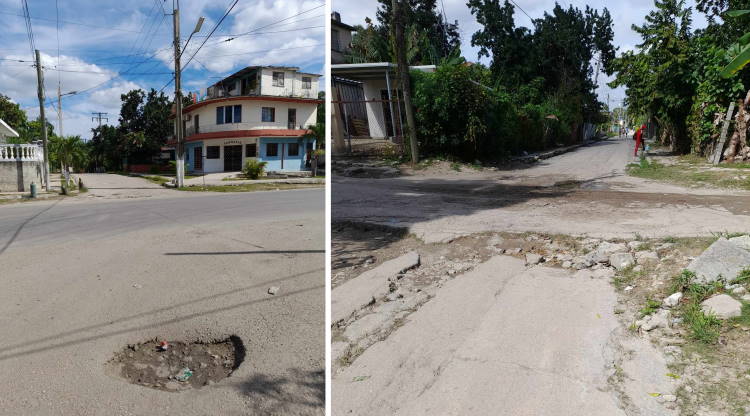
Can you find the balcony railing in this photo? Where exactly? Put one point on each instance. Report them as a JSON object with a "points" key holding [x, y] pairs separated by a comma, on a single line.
{"points": [[21, 153], [286, 92], [212, 128]]}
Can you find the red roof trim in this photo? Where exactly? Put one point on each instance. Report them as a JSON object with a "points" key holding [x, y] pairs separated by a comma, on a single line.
{"points": [[250, 98]]}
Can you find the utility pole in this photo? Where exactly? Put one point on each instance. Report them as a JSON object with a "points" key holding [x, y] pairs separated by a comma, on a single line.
{"points": [[99, 117], [59, 110], [180, 150], [403, 68], [42, 119]]}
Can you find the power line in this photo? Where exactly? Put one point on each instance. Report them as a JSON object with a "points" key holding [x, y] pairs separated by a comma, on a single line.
{"points": [[524, 11], [72, 23], [212, 32]]}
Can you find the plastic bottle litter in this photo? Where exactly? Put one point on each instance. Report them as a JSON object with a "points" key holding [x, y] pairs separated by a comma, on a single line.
{"points": [[184, 375]]}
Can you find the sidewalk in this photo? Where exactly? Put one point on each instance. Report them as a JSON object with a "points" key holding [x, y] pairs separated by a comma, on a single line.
{"points": [[216, 179]]}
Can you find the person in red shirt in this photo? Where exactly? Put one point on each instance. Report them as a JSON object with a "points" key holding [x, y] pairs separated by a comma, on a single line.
{"points": [[639, 142]]}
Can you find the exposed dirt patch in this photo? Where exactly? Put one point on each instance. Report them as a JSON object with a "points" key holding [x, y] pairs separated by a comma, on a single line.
{"points": [[179, 366]]}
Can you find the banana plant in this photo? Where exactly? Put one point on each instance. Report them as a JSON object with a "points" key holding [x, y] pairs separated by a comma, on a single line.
{"points": [[739, 52]]}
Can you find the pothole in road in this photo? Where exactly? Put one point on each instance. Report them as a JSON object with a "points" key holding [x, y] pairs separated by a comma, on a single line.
{"points": [[180, 366]]}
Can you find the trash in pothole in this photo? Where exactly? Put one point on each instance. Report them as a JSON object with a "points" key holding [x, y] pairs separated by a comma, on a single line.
{"points": [[175, 365]]}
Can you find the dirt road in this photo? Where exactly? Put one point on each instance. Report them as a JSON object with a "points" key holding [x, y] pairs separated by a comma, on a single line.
{"points": [[584, 192], [84, 277]]}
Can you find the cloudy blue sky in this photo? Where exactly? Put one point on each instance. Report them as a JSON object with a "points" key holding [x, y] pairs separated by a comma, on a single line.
{"points": [[121, 45], [624, 14]]}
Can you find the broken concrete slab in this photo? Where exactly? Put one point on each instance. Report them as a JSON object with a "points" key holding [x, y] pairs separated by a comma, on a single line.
{"points": [[742, 241], [621, 261], [646, 257], [723, 306], [372, 284], [533, 258], [722, 259]]}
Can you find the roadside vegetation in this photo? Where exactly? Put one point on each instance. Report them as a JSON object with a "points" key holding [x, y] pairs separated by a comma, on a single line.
{"points": [[682, 80], [538, 91], [688, 172]]}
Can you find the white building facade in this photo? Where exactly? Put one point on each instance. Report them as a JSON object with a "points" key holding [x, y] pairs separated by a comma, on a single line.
{"points": [[260, 113]]}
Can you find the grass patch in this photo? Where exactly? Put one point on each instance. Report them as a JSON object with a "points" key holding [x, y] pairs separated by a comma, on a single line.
{"points": [[651, 307], [456, 166], [159, 180], [743, 277], [250, 187], [743, 319], [690, 173], [703, 328]]}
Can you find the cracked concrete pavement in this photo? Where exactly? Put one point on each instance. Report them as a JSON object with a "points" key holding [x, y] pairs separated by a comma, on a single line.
{"points": [[508, 339], [83, 277], [584, 192]]}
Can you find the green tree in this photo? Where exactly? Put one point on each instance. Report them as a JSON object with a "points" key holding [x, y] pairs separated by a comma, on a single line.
{"points": [[658, 76], [69, 153], [12, 114]]}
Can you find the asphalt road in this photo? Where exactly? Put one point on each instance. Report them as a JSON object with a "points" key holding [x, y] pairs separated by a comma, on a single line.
{"points": [[584, 192], [84, 277]]}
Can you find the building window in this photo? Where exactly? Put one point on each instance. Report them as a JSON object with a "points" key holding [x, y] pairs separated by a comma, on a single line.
{"points": [[335, 42], [251, 150], [306, 83], [219, 115], [272, 149], [213, 152], [229, 114], [293, 149], [278, 79], [268, 114]]}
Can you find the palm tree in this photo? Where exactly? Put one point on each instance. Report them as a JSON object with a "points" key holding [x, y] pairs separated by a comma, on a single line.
{"points": [[71, 152]]}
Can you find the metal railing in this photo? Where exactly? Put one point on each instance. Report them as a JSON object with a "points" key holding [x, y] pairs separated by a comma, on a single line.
{"points": [[20, 153]]}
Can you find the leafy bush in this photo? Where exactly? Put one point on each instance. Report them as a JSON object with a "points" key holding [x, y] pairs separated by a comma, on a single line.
{"points": [[254, 169]]}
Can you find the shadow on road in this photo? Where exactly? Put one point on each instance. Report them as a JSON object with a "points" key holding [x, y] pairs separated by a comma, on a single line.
{"points": [[23, 224], [280, 395], [29, 346]]}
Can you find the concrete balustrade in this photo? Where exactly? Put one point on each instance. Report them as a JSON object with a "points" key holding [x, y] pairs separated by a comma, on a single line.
{"points": [[20, 165], [20, 152]]}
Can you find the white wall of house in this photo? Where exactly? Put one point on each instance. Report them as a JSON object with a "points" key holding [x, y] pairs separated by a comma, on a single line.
{"points": [[375, 115], [251, 116], [292, 84]]}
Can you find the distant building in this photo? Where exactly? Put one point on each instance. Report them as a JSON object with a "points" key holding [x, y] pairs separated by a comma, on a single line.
{"points": [[260, 112], [341, 39], [6, 131]]}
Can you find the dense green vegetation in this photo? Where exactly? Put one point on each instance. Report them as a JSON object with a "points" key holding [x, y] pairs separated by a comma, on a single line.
{"points": [[538, 91], [144, 126], [682, 78]]}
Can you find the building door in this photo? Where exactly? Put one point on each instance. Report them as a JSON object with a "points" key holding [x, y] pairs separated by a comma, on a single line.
{"points": [[198, 158], [292, 119], [232, 158]]}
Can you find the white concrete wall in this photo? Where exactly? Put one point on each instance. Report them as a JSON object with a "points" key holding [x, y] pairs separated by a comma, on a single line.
{"points": [[251, 115], [375, 115], [292, 84]]}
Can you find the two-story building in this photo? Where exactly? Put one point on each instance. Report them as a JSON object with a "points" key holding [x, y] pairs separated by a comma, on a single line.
{"points": [[341, 38], [260, 113]]}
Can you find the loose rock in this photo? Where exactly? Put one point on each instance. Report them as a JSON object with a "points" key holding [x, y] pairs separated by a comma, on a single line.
{"points": [[621, 261], [723, 306], [672, 300], [273, 290]]}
